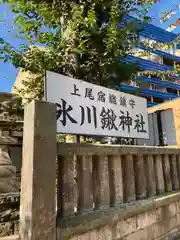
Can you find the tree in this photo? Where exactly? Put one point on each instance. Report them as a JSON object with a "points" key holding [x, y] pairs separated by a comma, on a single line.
{"points": [[81, 39]]}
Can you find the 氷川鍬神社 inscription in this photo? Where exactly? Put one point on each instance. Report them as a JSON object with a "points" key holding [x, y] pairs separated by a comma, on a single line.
{"points": [[88, 109]]}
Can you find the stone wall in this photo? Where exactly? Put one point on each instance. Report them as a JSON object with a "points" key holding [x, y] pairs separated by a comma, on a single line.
{"points": [[158, 218], [144, 220], [9, 214]]}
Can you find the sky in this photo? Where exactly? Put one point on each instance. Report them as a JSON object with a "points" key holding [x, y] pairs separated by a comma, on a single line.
{"points": [[8, 32], [161, 6]]}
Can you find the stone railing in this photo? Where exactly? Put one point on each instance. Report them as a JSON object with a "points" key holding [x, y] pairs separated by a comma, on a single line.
{"points": [[97, 177], [101, 185], [102, 192]]}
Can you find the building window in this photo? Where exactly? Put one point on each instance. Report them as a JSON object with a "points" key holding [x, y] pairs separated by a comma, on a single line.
{"points": [[158, 100], [159, 88], [168, 62], [170, 90], [156, 58]]}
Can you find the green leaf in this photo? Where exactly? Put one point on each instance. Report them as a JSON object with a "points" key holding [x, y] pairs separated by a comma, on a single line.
{"points": [[71, 38]]}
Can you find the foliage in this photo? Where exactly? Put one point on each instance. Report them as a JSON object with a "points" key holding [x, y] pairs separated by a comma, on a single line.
{"points": [[76, 38], [61, 138]]}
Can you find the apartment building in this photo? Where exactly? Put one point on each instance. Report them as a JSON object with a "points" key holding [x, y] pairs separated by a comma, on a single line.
{"points": [[156, 53]]}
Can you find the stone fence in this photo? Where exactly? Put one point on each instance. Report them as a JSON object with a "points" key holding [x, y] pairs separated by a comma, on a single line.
{"points": [[91, 192], [75, 191], [109, 178]]}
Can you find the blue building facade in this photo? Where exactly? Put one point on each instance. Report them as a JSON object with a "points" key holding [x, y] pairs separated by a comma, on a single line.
{"points": [[155, 89]]}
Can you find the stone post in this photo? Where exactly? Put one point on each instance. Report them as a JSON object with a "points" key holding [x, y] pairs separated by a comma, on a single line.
{"points": [[150, 176], [65, 183], [174, 172], [140, 177], [159, 174], [167, 173], [116, 180], [101, 181], [38, 177], [84, 180], [128, 178]]}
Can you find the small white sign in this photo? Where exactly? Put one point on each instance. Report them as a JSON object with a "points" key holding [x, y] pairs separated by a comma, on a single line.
{"points": [[87, 109]]}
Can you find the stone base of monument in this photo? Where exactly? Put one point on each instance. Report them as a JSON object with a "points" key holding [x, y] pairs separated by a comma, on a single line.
{"points": [[10, 122], [8, 179]]}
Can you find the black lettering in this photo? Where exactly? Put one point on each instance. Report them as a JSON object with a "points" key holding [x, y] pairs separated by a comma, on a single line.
{"points": [[123, 101], [63, 110], [108, 118], [101, 96], [91, 115], [132, 103], [139, 124], [88, 93], [125, 121], [82, 115], [112, 99], [75, 91]]}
